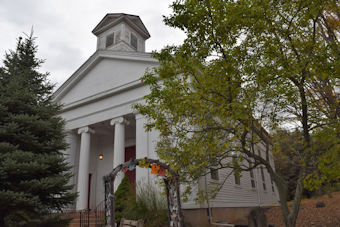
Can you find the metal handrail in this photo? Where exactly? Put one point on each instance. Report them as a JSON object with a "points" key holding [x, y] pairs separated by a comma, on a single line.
{"points": [[86, 214], [84, 218], [99, 213]]}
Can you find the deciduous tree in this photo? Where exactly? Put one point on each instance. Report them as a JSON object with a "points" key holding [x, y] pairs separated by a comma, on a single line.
{"points": [[244, 66]]}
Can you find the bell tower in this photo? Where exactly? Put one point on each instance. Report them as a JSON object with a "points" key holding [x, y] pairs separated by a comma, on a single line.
{"points": [[121, 32]]}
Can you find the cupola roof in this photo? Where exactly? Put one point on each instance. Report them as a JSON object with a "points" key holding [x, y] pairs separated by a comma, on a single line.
{"points": [[112, 19]]}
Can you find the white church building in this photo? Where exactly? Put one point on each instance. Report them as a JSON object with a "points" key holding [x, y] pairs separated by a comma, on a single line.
{"points": [[103, 129]]}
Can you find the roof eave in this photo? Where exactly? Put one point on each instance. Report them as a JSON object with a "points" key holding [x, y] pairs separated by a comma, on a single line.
{"points": [[99, 29]]}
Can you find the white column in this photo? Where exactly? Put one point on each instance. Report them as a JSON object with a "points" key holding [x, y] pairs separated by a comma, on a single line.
{"points": [[84, 162], [119, 147], [142, 144]]}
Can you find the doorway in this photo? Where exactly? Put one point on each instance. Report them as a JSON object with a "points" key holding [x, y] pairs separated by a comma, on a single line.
{"points": [[130, 153], [89, 191]]}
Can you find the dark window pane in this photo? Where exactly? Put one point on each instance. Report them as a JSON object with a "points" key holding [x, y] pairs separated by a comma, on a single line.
{"points": [[271, 180], [252, 183], [214, 174], [133, 41], [251, 173], [263, 179], [262, 174], [109, 40], [237, 179]]}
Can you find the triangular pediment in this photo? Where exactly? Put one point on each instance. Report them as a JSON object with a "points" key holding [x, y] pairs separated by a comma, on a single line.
{"points": [[103, 74]]}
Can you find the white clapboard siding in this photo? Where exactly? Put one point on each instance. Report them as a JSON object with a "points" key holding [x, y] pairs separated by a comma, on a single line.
{"points": [[243, 195]]}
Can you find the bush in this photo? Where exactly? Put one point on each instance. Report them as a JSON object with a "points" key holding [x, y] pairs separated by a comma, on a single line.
{"points": [[149, 205], [123, 194]]}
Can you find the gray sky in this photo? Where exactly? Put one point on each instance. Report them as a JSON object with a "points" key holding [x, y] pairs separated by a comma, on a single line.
{"points": [[63, 28]]}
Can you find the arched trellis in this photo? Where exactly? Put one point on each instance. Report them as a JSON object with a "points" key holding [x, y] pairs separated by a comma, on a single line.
{"points": [[172, 191]]}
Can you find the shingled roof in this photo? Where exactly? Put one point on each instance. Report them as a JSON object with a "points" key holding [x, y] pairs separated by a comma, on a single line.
{"points": [[112, 19]]}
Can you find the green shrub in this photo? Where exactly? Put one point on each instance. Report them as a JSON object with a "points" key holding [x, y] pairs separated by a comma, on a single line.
{"points": [[123, 194], [149, 205]]}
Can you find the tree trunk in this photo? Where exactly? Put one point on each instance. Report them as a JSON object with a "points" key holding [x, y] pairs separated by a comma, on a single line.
{"points": [[289, 215], [293, 214]]}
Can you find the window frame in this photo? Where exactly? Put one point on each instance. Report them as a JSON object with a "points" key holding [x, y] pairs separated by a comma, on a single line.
{"points": [[237, 179], [272, 182], [133, 35], [214, 174], [263, 179], [111, 35], [252, 179]]}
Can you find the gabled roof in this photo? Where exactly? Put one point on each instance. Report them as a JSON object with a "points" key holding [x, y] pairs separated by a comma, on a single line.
{"points": [[92, 62], [112, 19]]}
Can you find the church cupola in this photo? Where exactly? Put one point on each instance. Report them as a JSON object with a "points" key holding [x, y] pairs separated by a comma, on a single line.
{"points": [[121, 32]]}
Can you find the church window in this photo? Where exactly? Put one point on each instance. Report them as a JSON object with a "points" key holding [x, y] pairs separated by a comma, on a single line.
{"points": [[133, 41], [214, 174], [109, 39], [252, 178], [271, 180], [263, 179], [236, 175], [237, 179]]}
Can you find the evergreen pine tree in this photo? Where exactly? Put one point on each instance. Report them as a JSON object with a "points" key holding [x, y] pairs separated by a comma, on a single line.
{"points": [[33, 173]]}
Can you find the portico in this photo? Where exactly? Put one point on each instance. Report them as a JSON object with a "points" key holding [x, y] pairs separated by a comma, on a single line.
{"points": [[117, 140]]}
